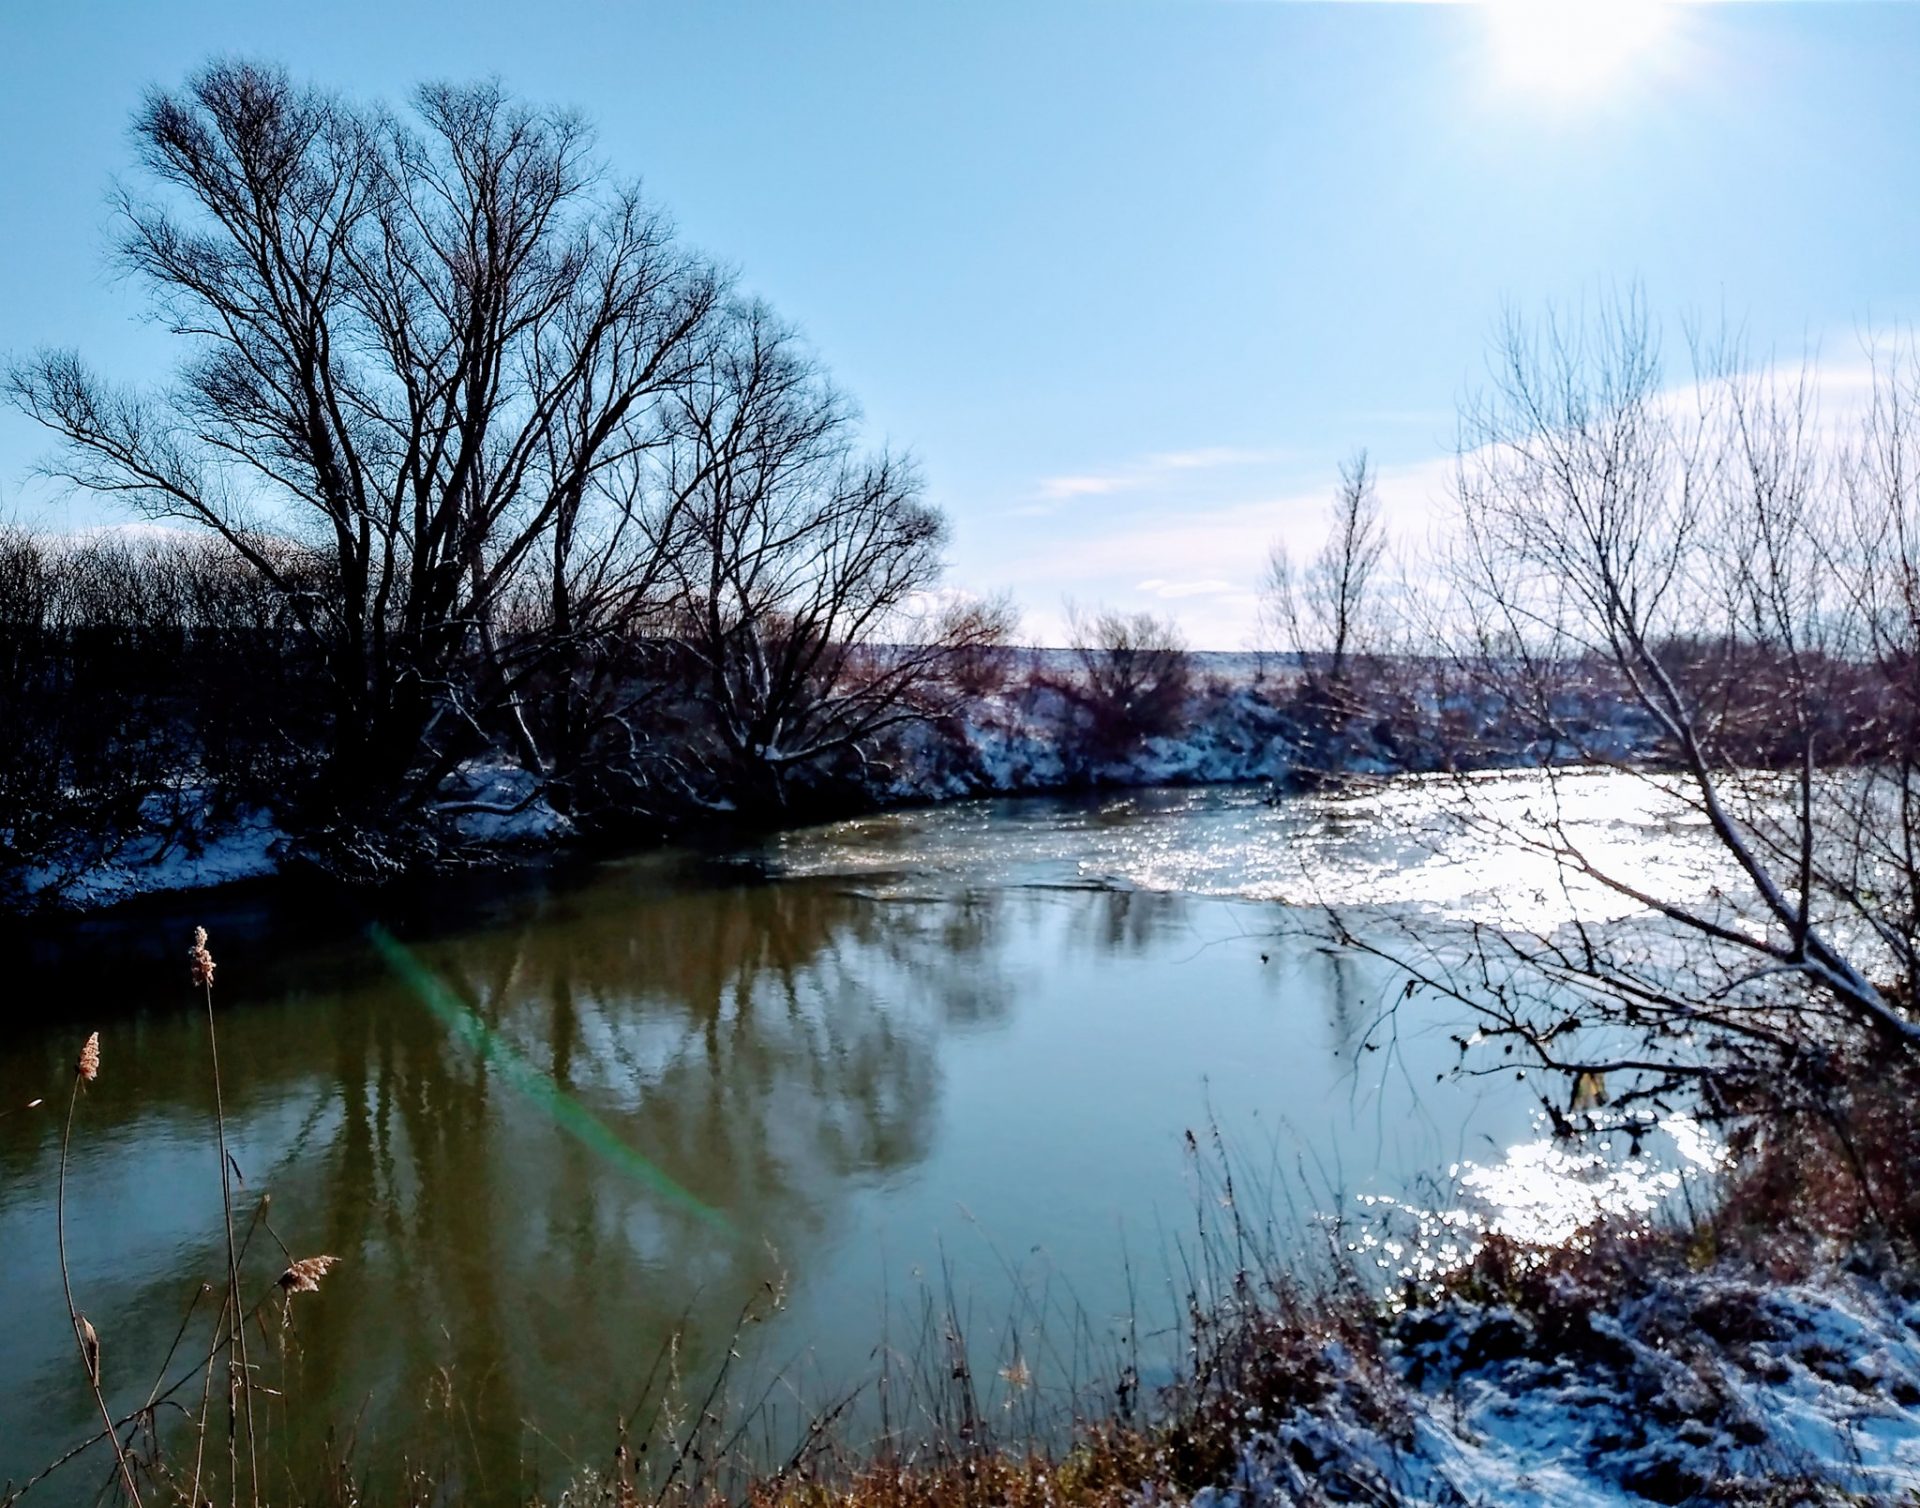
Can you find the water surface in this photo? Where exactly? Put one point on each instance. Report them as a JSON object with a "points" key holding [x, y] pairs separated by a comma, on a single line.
{"points": [[949, 1056]]}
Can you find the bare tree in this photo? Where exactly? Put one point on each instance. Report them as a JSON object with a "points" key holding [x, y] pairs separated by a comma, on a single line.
{"points": [[803, 567], [429, 349], [1135, 676], [1739, 577], [1324, 612]]}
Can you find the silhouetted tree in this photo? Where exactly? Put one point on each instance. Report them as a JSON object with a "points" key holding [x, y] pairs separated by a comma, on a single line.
{"points": [[430, 350]]}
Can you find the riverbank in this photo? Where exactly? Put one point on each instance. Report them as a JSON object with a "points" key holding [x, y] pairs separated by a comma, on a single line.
{"points": [[1763, 1352], [1031, 734], [1618, 1374], [1649, 1383]]}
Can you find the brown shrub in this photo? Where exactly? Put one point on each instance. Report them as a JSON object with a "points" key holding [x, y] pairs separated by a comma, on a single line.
{"points": [[1135, 677]]}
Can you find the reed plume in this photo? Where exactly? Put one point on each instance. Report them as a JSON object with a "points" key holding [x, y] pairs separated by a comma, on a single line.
{"points": [[86, 1069], [200, 963], [304, 1275]]}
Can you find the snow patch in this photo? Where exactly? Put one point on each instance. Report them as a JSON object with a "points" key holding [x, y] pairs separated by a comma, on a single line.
{"points": [[500, 804], [1031, 737], [181, 843], [1703, 1386]]}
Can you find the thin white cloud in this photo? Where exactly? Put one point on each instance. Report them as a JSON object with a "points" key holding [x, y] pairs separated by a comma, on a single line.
{"points": [[1197, 553], [1160, 587], [1146, 471], [1201, 562], [1056, 489], [1208, 457]]}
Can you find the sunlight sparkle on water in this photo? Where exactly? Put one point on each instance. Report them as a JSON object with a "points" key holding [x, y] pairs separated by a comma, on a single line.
{"points": [[1403, 844], [1542, 1193]]}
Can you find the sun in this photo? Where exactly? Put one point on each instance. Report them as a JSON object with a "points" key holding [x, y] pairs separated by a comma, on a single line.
{"points": [[1568, 47]]}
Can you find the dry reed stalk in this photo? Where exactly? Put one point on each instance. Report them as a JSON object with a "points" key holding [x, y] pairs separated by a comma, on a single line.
{"points": [[200, 970], [163, 1391], [85, 1071], [200, 1419]]}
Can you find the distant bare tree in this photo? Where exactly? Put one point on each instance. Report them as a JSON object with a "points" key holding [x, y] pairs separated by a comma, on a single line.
{"points": [[1324, 612], [430, 350]]}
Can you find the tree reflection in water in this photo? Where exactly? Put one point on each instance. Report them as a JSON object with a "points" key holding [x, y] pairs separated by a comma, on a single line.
{"points": [[941, 1031], [763, 1044]]}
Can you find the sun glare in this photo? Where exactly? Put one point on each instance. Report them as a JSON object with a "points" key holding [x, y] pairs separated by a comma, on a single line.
{"points": [[1574, 46]]}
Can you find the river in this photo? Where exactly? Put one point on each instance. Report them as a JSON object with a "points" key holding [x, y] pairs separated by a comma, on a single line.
{"points": [[840, 1079]]}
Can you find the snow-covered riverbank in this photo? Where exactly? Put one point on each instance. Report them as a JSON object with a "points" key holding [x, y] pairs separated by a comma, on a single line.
{"points": [[1028, 737], [1611, 1386]]}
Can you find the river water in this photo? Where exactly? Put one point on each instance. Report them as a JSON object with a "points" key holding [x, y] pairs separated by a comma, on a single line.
{"points": [[944, 1059]]}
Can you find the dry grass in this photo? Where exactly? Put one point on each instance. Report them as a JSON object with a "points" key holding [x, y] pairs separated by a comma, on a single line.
{"points": [[1836, 1162]]}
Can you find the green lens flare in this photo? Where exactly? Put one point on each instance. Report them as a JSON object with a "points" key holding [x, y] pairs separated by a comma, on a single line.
{"points": [[567, 1112]]}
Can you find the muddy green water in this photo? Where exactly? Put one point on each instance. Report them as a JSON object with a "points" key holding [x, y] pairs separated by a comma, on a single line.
{"points": [[941, 1056]]}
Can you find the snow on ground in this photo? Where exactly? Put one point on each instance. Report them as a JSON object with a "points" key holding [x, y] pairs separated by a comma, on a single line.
{"points": [[1696, 1386], [1030, 737], [500, 804], [1025, 739], [182, 844], [182, 841]]}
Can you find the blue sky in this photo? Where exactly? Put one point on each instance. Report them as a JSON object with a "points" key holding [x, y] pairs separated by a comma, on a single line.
{"points": [[1130, 278]]}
